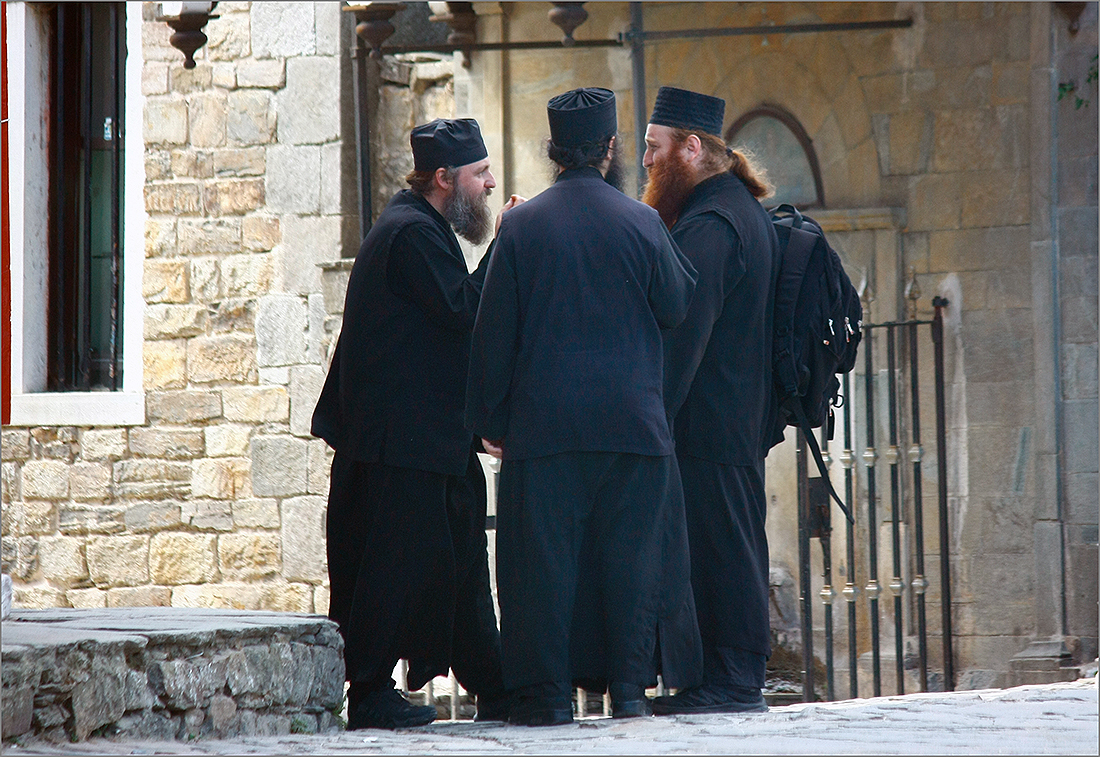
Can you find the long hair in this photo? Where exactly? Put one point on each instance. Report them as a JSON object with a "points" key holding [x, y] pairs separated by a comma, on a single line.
{"points": [[421, 182], [588, 154], [717, 158]]}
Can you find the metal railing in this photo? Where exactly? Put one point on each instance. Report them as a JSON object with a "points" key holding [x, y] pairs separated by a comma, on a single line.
{"points": [[901, 377]]}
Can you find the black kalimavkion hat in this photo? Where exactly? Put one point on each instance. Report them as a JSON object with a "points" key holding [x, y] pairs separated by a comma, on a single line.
{"points": [[447, 142], [682, 109], [582, 116]]}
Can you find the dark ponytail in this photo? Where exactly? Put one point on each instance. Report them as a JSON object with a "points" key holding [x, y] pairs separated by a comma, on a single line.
{"points": [[588, 154]]}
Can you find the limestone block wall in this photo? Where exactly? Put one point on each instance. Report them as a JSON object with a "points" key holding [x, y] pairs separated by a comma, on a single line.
{"points": [[1075, 161], [218, 499]]}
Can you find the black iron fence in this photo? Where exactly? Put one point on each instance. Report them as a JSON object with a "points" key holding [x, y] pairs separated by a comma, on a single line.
{"points": [[901, 378]]}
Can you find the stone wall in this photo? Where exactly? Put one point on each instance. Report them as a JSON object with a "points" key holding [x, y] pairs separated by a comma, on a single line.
{"points": [[165, 674], [1075, 171], [217, 500]]}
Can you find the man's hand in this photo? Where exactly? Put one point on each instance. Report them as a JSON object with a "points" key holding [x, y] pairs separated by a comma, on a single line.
{"points": [[493, 449], [513, 201]]}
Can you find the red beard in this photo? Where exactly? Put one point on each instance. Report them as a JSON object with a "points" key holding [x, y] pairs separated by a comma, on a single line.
{"points": [[670, 182]]}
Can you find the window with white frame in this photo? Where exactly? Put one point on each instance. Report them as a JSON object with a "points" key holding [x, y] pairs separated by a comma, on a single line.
{"points": [[75, 185]]}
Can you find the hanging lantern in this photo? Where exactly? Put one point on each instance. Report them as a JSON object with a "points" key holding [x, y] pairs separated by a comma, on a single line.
{"points": [[187, 19]]}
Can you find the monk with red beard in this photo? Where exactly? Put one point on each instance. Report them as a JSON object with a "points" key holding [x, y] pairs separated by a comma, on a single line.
{"points": [[718, 389]]}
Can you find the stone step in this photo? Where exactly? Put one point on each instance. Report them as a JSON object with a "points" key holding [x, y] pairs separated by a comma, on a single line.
{"points": [[1031, 677], [1048, 664], [169, 673]]}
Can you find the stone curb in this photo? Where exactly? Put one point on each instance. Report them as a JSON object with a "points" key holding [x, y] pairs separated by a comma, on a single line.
{"points": [[168, 673]]}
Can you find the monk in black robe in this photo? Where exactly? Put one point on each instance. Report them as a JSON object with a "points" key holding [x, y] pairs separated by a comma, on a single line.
{"points": [[719, 389], [565, 381], [407, 558]]}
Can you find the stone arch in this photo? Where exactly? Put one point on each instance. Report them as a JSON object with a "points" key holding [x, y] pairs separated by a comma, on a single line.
{"points": [[833, 115]]}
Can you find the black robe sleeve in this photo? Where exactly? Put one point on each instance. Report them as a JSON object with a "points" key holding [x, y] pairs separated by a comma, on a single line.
{"points": [[715, 250], [493, 349], [421, 270], [670, 290]]}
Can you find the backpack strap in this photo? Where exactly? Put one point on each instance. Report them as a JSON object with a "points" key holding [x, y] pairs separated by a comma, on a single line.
{"points": [[789, 211], [815, 450], [798, 245]]}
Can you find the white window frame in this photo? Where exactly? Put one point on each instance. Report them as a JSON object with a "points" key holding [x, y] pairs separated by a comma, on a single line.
{"points": [[28, 187]]}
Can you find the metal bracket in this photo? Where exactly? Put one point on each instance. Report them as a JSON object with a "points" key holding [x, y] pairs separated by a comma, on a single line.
{"points": [[820, 518]]}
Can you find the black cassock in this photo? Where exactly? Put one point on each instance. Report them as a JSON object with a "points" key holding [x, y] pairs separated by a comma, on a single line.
{"points": [[718, 385], [407, 555], [566, 371]]}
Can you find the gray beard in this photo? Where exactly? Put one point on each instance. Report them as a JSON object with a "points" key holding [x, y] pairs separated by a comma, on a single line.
{"points": [[469, 215]]}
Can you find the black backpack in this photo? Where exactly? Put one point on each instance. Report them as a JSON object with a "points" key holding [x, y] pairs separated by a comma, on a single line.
{"points": [[818, 326]]}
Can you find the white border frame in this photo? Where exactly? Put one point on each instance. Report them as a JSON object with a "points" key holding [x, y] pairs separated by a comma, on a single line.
{"points": [[31, 405]]}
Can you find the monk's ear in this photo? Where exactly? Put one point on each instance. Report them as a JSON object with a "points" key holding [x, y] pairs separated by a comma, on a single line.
{"points": [[693, 147], [610, 147], [442, 179]]}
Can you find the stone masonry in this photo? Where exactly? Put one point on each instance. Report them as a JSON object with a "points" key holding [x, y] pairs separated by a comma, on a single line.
{"points": [[169, 674], [217, 500]]}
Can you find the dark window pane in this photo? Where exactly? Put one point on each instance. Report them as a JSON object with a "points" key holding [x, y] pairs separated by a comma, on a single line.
{"points": [[88, 54]]}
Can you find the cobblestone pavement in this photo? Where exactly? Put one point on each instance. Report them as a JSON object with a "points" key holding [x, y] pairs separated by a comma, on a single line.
{"points": [[1050, 719]]}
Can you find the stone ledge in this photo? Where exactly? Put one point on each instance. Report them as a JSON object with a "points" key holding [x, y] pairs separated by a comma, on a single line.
{"points": [[169, 673]]}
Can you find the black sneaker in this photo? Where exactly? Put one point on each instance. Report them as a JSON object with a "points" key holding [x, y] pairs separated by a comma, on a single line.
{"points": [[710, 698], [388, 708], [628, 700]]}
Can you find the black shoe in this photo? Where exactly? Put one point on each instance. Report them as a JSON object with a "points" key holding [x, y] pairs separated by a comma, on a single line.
{"points": [[537, 712], [493, 707], [628, 700], [542, 704], [711, 698], [388, 708]]}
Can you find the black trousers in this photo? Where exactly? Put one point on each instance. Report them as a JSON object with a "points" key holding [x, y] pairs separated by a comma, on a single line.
{"points": [[409, 575], [582, 578], [726, 510]]}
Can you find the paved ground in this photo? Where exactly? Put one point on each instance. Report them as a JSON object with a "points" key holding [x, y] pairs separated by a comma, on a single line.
{"points": [[1051, 719]]}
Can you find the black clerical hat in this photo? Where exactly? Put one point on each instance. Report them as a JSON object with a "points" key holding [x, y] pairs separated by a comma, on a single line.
{"points": [[682, 109], [581, 116], [447, 142]]}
